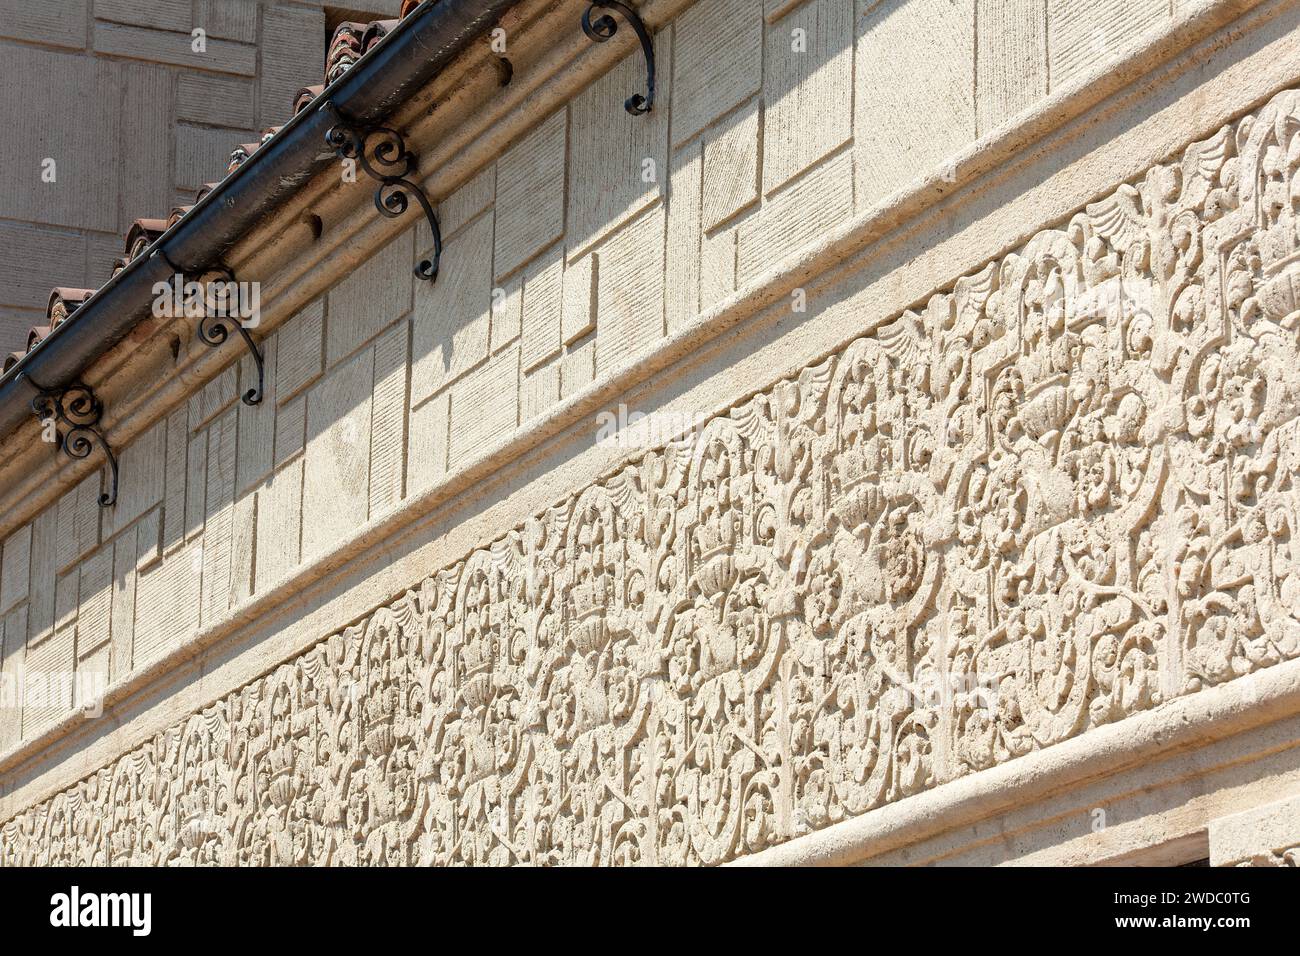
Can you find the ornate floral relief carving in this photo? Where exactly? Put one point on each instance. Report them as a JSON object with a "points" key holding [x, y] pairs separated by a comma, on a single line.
{"points": [[1057, 494]]}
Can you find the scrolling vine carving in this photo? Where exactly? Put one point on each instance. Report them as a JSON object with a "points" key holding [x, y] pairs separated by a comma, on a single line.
{"points": [[1060, 492]]}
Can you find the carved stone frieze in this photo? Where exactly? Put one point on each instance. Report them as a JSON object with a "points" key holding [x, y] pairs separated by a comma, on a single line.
{"points": [[1060, 492]]}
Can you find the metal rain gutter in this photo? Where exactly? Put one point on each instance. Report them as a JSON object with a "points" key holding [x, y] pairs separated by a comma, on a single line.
{"points": [[416, 51]]}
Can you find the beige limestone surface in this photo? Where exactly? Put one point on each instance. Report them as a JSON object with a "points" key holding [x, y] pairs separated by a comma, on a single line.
{"points": [[1014, 516]]}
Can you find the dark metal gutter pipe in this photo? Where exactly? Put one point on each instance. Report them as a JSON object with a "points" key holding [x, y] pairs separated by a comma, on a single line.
{"points": [[402, 63]]}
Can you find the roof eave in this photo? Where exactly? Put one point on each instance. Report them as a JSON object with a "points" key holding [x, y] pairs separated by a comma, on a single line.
{"points": [[403, 62]]}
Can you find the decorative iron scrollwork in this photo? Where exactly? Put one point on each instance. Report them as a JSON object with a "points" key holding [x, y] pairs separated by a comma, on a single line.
{"points": [[215, 293], [604, 27], [382, 153], [75, 412], [220, 315]]}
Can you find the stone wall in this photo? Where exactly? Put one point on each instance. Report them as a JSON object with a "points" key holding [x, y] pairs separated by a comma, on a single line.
{"points": [[386, 383], [1050, 496], [1057, 495], [135, 120]]}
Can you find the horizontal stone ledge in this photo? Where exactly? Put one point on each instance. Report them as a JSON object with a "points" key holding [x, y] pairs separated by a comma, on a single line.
{"points": [[1178, 725]]}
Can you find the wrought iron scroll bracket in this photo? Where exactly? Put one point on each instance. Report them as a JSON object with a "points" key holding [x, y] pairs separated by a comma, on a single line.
{"points": [[75, 411], [220, 314], [604, 27], [382, 154], [215, 326]]}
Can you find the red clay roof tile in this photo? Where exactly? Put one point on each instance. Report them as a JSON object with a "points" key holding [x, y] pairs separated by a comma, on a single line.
{"points": [[143, 233], [305, 96], [63, 302]]}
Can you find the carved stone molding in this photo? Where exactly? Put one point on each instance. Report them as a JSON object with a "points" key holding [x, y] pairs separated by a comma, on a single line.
{"points": [[1263, 836], [1058, 494]]}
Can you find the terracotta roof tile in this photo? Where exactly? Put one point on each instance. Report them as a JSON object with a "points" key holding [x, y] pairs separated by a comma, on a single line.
{"points": [[63, 302], [376, 32], [239, 155], [305, 96], [143, 233], [345, 49], [241, 152], [36, 334]]}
